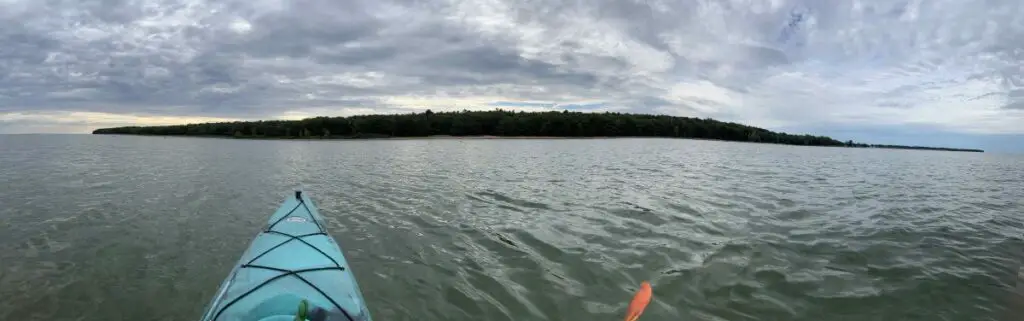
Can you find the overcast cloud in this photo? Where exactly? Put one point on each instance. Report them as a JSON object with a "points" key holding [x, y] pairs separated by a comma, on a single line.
{"points": [[949, 65]]}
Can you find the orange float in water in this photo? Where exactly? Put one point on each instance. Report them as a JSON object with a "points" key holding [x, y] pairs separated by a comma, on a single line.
{"points": [[639, 302]]}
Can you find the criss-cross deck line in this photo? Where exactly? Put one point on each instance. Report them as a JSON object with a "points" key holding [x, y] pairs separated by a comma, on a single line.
{"points": [[286, 272]]}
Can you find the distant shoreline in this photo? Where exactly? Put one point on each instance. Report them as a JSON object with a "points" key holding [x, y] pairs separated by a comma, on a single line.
{"points": [[498, 124], [446, 137]]}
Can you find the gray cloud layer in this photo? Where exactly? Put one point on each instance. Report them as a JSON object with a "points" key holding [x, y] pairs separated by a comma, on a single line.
{"points": [[948, 63]]}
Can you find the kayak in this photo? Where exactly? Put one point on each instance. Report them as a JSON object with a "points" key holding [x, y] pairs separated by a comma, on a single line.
{"points": [[293, 270]]}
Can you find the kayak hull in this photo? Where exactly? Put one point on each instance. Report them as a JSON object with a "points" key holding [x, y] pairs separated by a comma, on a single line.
{"points": [[293, 267]]}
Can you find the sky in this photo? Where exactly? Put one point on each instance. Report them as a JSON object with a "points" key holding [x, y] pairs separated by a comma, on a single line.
{"points": [[935, 72]]}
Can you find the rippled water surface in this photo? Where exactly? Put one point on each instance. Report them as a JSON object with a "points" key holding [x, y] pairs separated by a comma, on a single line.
{"points": [[145, 228]]}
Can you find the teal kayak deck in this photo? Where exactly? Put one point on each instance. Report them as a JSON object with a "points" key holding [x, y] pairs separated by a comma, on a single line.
{"points": [[293, 262]]}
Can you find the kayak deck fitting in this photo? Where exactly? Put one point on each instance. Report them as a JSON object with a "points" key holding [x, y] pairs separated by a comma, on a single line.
{"points": [[293, 270]]}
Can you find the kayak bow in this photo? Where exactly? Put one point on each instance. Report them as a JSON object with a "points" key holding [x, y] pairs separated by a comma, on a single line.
{"points": [[293, 270]]}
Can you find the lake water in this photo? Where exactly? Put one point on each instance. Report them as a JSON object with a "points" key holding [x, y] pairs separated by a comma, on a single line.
{"points": [[145, 228]]}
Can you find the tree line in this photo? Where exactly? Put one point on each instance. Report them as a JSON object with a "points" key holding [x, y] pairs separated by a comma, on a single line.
{"points": [[494, 123]]}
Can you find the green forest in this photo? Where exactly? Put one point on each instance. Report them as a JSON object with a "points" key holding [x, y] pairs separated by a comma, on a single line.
{"points": [[496, 123]]}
